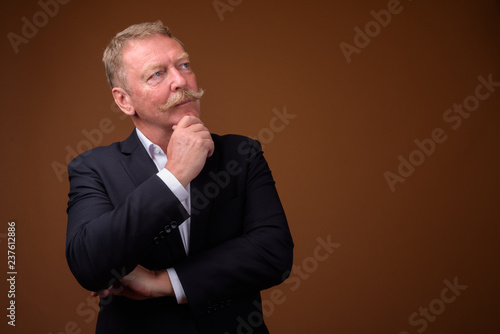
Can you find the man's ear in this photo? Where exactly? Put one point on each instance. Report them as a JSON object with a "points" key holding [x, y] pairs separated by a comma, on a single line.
{"points": [[123, 101]]}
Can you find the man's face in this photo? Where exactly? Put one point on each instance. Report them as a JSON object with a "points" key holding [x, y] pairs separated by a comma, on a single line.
{"points": [[157, 69]]}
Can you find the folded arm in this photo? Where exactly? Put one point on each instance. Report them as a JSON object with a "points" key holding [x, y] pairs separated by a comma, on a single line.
{"points": [[106, 242]]}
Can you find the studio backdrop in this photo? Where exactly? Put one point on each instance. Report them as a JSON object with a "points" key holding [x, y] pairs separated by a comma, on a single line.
{"points": [[379, 120]]}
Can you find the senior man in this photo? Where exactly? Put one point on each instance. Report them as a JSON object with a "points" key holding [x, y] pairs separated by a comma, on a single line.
{"points": [[176, 229]]}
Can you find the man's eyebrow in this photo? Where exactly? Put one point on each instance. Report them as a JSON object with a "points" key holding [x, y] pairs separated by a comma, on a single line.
{"points": [[150, 68], [183, 55]]}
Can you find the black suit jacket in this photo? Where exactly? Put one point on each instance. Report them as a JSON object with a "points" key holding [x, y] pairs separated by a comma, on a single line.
{"points": [[120, 214]]}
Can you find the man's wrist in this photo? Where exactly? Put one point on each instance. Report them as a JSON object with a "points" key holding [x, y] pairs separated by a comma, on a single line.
{"points": [[178, 175], [163, 286], [173, 184]]}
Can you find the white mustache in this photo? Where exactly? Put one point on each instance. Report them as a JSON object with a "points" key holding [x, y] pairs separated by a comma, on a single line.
{"points": [[185, 94]]}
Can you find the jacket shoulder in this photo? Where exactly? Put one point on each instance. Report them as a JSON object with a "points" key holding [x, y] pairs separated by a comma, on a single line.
{"points": [[232, 140], [105, 153], [232, 144]]}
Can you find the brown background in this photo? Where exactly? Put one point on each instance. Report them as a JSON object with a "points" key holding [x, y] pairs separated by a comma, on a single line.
{"points": [[352, 122]]}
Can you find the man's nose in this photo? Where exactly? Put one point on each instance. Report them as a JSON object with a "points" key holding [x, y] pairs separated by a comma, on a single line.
{"points": [[178, 81]]}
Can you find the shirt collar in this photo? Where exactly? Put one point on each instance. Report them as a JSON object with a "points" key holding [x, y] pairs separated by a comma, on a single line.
{"points": [[150, 147]]}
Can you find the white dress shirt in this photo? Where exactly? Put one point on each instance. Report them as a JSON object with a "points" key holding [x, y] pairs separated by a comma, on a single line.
{"points": [[183, 194]]}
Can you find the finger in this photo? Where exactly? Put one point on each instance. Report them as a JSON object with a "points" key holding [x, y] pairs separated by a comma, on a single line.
{"points": [[104, 293], [211, 148], [188, 120], [198, 127]]}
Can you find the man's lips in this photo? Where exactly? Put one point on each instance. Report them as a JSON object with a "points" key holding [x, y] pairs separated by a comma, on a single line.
{"points": [[182, 103]]}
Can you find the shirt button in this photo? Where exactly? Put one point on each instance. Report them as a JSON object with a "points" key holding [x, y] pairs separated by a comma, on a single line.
{"points": [[157, 150]]}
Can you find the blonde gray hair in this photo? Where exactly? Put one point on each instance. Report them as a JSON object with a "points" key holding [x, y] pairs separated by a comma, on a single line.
{"points": [[113, 54]]}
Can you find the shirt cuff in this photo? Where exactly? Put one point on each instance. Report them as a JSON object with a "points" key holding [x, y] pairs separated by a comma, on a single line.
{"points": [[175, 186], [177, 286]]}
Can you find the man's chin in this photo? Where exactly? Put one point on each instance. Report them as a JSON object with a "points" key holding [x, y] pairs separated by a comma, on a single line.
{"points": [[189, 109]]}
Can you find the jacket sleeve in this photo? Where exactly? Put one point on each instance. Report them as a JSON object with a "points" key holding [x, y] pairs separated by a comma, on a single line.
{"points": [[259, 258], [105, 241]]}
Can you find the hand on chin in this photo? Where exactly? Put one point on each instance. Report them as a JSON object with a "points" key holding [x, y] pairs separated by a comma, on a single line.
{"points": [[180, 114]]}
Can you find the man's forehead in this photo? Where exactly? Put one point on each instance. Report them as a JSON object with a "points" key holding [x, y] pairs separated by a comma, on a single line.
{"points": [[153, 48]]}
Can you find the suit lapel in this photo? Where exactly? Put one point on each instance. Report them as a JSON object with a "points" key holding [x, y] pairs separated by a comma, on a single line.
{"points": [[140, 167], [136, 160], [201, 203]]}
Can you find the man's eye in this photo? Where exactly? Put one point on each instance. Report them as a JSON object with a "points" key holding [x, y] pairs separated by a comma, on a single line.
{"points": [[185, 65], [156, 75]]}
